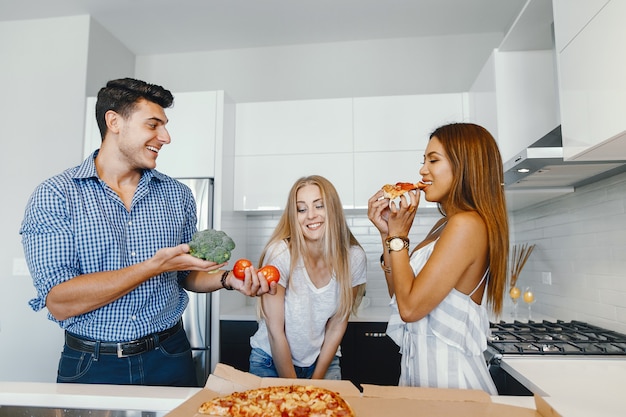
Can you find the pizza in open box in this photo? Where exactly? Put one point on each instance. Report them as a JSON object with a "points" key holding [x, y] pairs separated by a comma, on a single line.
{"points": [[279, 401]]}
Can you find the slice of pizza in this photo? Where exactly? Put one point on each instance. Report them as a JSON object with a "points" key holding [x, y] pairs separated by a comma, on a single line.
{"points": [[279, 401], [392, 191]]}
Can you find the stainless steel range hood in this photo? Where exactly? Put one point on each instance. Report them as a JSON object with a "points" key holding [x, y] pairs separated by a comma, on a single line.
{"points": [[541, 167]]}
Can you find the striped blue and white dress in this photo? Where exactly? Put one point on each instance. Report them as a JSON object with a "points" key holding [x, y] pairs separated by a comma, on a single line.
{"points": [[445, 348]]}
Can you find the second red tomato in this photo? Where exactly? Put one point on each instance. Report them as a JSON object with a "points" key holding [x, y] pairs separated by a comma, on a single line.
{"points": [[271, 273]]}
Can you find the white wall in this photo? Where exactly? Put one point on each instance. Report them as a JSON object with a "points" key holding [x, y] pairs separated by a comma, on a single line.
{"points": [[43, 79], [333, 70], [581, 240], [42, 111], [108, 59]]}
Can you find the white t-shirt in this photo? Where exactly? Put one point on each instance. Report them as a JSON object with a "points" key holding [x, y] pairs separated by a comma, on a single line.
{"points": [[307, 308]]}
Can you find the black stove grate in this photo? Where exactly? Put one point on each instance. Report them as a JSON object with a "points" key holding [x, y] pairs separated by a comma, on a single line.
{"points": [[555, 338]]}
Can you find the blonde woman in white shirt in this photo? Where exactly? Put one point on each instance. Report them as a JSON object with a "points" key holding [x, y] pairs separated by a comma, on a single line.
{"points": [[323, 273]]}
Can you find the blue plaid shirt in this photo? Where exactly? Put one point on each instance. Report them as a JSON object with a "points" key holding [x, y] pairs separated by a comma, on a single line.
{"points": [[75, 224]]}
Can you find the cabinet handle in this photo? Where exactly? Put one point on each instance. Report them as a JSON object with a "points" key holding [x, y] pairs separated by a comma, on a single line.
{"points": [[375, 334]]}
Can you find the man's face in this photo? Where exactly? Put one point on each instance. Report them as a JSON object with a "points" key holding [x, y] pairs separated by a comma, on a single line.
{"points": [[143, 134]]}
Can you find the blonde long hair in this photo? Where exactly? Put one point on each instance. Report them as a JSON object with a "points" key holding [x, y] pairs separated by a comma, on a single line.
{"points": [[337, 240], [478, 185]]}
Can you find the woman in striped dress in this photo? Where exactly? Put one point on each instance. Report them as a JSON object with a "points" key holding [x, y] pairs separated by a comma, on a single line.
{"points": [[440, 291]]}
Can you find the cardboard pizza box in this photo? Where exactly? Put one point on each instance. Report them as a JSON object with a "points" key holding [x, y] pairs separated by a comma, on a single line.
{"points": [[374, 401]]}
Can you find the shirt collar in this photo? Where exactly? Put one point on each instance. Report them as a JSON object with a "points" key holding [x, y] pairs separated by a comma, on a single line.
{"points": [[87, 169]]}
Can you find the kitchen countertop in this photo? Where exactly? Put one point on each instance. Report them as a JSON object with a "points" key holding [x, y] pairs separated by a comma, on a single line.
{"points": [[94, 396], [575, 387], [159, 400]]}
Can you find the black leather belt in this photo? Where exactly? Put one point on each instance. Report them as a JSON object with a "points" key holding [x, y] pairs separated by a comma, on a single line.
{"points": [[122, 349]]}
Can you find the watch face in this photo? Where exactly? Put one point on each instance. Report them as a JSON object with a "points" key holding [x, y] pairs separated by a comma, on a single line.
{"points": [[396, 244]]}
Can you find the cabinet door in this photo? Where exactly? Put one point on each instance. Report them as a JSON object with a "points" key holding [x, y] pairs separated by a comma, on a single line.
{"points": [[593, 89], [294, 127], [527, 100], [483, 104], [571, 16], [369, 356], [402, 123], [192, 126], [263, 182], [235, 343]]}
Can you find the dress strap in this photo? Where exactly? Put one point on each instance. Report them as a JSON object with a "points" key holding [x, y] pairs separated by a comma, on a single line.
{"points": [[480, 282]]}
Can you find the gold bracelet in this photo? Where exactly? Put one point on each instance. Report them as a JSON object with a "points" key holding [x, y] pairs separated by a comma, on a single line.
{"points": [[224, 275], [385, 268]]}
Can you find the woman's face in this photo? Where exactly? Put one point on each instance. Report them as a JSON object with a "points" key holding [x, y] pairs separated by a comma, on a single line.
{"points": [[437, 171], [311, 212]]}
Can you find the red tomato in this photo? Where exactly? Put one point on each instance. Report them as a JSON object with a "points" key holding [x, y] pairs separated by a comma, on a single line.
{"points": [[271, 273], [240, 268]]}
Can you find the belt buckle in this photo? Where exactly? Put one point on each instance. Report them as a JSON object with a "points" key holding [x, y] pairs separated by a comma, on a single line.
{"points": [[120, 351]]}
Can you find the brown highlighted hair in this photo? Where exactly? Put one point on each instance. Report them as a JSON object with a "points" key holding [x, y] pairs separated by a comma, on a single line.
{"points": [[478, 185]]}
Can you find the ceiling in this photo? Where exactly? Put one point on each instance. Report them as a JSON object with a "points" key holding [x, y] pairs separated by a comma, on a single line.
{"points": [[149, 27]]}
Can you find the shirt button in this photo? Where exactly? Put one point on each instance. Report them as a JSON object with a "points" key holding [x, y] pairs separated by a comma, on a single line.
{"points": [[133, 317], [130, 222], [133, 254]]}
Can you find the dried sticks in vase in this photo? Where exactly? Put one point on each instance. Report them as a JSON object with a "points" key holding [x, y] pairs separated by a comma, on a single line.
{"points": [[519, 256]]}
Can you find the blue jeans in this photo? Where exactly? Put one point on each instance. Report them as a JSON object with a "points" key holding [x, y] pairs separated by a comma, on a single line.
{"points": [[170, 364], [262, 364]]}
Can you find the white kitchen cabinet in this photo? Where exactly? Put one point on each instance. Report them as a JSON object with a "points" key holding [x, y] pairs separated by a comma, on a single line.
{"points": [[343, 140], [193, 123], [262, 182], [192, 126], [294, 127], [592, 84], [279, 142], [483, 103], [403, 123], [571, 17], [515, 98]]}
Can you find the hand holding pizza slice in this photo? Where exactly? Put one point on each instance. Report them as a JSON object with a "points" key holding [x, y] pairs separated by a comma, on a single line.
{"points": [[392, 191]]}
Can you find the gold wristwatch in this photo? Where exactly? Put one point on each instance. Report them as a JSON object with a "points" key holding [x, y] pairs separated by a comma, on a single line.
{"points": [[397, 243]]}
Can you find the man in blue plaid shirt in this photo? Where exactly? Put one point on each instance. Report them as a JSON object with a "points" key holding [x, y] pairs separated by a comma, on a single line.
{"points": [[106, 245]]}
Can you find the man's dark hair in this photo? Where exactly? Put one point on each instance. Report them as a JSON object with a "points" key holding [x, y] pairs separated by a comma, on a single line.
{"points": [[122, 95]]}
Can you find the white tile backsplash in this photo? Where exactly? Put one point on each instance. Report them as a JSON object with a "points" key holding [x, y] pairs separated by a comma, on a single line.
{"points": [[581, 240]]}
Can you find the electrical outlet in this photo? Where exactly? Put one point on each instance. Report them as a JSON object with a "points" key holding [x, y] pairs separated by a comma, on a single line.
{"points": [[546, 278]]}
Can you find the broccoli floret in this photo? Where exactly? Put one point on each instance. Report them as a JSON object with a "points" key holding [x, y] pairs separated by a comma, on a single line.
{"points": [[212, 245]]}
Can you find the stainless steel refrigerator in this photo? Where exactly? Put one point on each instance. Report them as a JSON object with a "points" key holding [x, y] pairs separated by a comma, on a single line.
{"points": [[197, 316]]}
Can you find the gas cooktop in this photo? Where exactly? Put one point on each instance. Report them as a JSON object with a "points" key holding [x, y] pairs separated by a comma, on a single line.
{"points": [[555, 338]]}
